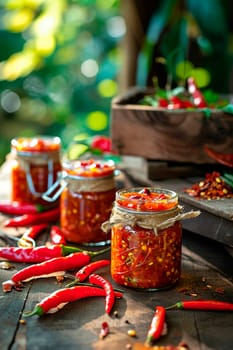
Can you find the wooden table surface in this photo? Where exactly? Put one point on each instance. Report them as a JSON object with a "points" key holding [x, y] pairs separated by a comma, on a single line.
{"points": [[206, 273]]}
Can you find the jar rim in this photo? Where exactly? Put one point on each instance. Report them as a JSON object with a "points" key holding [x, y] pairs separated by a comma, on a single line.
{"points": [[135, 199], [75, 170], [27, 146]]}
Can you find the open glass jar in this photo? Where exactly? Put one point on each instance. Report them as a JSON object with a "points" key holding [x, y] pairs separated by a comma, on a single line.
{"points": [[35, 165], [87, 195], [146, 238]]}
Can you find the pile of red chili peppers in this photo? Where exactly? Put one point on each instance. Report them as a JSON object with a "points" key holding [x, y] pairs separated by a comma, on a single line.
{"points": [[190, 97], [212, 187]]}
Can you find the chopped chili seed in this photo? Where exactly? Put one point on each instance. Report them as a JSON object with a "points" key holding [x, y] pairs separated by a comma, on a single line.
{"points": [[212, 187], [132, 333]]}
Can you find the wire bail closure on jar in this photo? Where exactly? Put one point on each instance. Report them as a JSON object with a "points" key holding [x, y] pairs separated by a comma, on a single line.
{"points": [[84, 184], [26, 158]]}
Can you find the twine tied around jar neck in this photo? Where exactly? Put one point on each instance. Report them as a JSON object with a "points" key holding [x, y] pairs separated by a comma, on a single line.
{"points": [[155, 221]]}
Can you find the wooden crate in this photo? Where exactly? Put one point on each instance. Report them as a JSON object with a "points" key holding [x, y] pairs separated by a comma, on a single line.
{"points": [[160, 134]]}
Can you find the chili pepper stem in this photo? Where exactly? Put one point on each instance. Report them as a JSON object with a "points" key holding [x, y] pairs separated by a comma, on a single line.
{"points": [[66, 250], [177, 305], [36, 311]]}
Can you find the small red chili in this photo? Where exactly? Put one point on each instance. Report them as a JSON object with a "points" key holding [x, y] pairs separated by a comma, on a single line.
{"points": [[211, 305], [198, 97], [18, 208], [110, 294], [51, 215], [41, 253], [57, 236], [157, 325], [104, 330], [102, 143], [30, 234], [86, 270], [59, 298], [223, 158]]}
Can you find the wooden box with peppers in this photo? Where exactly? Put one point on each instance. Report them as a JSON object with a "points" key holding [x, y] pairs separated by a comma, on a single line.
{"points": [[172, 125]]}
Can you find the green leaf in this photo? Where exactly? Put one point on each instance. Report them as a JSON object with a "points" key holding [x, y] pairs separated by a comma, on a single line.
{"points": [[228, 108]]}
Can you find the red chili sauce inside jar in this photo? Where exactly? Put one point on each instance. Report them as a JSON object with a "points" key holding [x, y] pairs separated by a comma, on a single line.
{"points": [[36, 163], [87, 201], [146, 242]]}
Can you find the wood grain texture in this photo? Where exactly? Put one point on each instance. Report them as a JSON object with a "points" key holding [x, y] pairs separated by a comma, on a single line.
{"points": [[168, 135]]}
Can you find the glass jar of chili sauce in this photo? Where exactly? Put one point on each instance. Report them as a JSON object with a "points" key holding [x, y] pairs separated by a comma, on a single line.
{"points": [[146, 238], [86, 201], [35, 165]]}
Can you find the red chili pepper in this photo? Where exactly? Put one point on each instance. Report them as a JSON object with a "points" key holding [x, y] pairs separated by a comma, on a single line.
{"points": [[18, 208], [59, 298], [86, 270], [163, 102], [47, 269], [30, 234], [57, 236], [110, 294], [198, 97], [41, 253], [33, 219], [212, 305], [82, 274], [157, 325], [102, 143], [223, 158], [104, 330]]}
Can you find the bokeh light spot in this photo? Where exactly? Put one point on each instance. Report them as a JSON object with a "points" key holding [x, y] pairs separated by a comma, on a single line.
{"points": [[10, 101], [183, 69], [107, 88], [97, 121], [201, 76], [89, 68]]}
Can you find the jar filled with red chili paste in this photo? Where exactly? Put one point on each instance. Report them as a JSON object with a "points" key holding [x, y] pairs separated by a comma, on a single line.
{"points": [[86, 200], [146, 238], [35, 165]]}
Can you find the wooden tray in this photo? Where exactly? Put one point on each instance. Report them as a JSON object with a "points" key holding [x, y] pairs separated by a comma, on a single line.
{"points": [[171, 135]]}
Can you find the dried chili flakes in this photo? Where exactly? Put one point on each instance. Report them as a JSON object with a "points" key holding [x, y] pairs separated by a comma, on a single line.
{"points": [[212, 187]]}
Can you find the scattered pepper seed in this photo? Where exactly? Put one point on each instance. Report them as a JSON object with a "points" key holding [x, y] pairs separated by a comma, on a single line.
{"points": [[22, 321], [132, 333]]}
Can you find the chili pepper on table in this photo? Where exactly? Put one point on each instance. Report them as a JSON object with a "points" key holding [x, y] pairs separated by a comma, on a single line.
{"points": [[223, 158], [56, 235], [105, 330], [41, 253], [61, 297], [20, 208], [211, 305], [198, 97], [110, 295], [157, 326], [49, 268], [28, 237], [88, 269], [51, 215]]}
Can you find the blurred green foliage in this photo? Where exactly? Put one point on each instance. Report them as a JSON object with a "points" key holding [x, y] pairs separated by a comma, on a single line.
{"points": [[58, 66], [189, 38]]}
